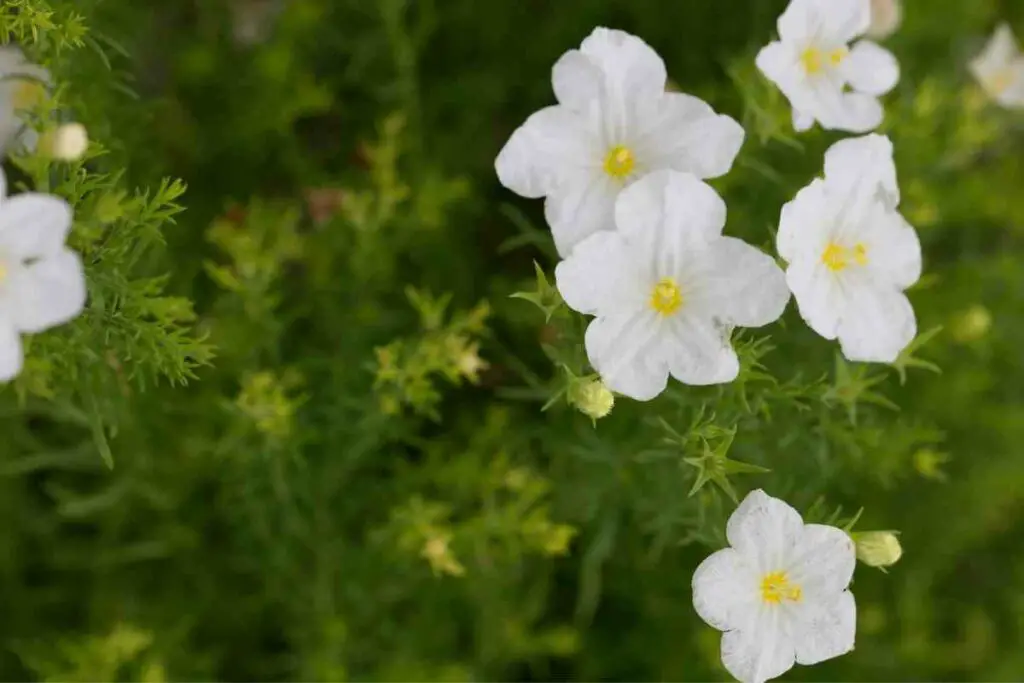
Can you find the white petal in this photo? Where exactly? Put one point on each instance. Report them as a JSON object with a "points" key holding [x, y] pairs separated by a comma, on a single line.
{"points": [[578, 209], [894, 252], [999, 53], [886, 17], [876, 324], [806, 224], [670, 214], [780, 63], [818, 295], [858, 113], [761, 651], [826, 629], [682, 132], [631, 67], [801, 121], [33, 225], [824, 562], [47, 293], [863, 167], [600, 275], [623, 350], [742, 285], [829, 21], [725, 590], [870, 68], [765, 530], [577, 81], [11, 358], [10, 59], [697, 350], [553, 143]]}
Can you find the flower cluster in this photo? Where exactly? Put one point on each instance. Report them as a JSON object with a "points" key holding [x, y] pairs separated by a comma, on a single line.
{"points": [[621, 164], [42, 282]]}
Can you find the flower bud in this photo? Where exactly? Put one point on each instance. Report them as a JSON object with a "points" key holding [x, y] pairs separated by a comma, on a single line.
{"points": [[878, 548], [592, 398], [886, 17], [67, 143], [972, 324]]}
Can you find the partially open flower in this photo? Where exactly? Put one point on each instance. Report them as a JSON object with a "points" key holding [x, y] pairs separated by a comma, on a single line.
{"points": [[592, 398], [22, 87], [886, 17], [67, 142]]}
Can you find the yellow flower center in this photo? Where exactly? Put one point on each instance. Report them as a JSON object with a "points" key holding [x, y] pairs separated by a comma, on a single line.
{"points": [[666, 297], [3, 272], [1000, 81], [814, 60], [620, 162], [27, 94], [776, 587], [837, 257]]}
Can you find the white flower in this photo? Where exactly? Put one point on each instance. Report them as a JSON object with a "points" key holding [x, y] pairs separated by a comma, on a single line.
{"points": [[667, 288], [22, 86], [779, 592], [851, 254], [886, 17], [613, 124], [823, 77], [1000, 69], [41, 281]]}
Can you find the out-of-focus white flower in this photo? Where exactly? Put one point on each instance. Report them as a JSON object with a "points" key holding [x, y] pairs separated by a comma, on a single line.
{"points": [[1000, 69], [667, 288], [22, 86], [42, 283], [851, 254], [886, 17], [779, 592], [613, 124], [253, 20], [823, 77], [67, 142]]}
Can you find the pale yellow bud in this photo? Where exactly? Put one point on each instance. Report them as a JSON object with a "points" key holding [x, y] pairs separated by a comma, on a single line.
{"points": [[878, 548], [592, 398], [886, 17], [68, 142]]}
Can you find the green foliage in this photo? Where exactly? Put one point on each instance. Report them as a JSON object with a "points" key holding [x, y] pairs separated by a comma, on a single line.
{"points": [[333, 421]]}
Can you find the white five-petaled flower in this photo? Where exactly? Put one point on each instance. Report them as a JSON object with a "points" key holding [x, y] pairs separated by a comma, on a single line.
{"points": [[1000, 69], [613, 124], [22, 85], [823, 77], [779, 592], [851, 254], [41, 281], [667, 288]]}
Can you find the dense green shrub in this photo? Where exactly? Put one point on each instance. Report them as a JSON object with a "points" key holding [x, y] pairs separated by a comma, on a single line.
{"points": [[304, 431]]}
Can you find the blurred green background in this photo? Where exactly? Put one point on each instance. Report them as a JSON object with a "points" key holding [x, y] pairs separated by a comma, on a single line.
{"points": [[360, 482]]}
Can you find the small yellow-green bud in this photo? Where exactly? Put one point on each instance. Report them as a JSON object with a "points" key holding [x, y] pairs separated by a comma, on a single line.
{"points": [[592, 398], [878, 548], [972, 324]]}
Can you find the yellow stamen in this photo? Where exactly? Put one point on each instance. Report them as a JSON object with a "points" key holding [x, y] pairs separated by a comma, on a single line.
{"points": [[666, 297], [620, 162], [837, 56], [776, 587], [1000, 81], [837, 257], [812, 60]]}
